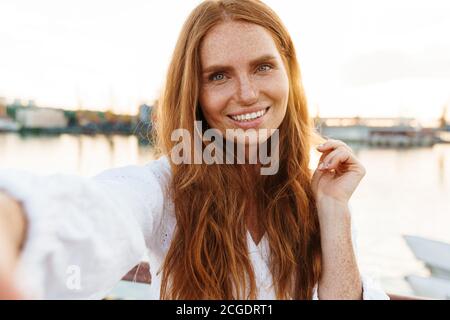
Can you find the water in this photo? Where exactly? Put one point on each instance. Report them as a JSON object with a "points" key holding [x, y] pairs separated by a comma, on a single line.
{"points": [[404, 192], [83, 154]]}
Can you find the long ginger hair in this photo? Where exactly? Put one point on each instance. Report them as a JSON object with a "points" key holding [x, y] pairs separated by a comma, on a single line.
{"points": [[208, 256]]}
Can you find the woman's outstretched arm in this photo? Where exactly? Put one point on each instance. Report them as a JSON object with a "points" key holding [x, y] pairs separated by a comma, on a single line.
{"points": [[80, 235], [12, 234]]}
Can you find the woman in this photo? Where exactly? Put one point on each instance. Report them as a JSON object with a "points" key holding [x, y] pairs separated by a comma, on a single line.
{"points": [[212, 230]]}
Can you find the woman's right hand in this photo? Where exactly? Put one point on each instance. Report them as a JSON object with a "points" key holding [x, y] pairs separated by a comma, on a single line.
{"points": [[8, 260], [8, 290], [12, 231]]}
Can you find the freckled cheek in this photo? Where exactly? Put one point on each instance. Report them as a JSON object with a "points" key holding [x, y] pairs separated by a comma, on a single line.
{"points": [[214, 105], [277, 89]]}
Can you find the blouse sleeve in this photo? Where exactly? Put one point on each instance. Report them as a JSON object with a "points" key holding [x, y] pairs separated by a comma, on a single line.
{"points": [[371, 289], [84, 234]]}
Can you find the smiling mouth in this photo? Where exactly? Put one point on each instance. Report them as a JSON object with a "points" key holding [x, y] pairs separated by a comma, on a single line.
{"points": [[247, 117]]}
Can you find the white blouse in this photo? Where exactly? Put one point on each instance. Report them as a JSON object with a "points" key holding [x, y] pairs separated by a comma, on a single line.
{"points": [[97, 229]]}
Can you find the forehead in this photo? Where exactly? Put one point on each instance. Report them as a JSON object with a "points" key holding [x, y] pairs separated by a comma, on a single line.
{"points": [[233, 42]]}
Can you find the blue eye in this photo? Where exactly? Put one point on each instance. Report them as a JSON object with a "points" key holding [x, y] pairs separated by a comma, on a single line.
{"points": [[264, 67], [217, 77]]}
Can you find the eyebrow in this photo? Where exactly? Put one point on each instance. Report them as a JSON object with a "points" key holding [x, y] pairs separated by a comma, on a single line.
{"points": [[264, 58]]}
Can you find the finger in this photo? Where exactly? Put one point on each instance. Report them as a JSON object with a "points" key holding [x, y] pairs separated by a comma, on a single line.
{"points": [[327, 150], [327, 162], [342, 160], [325, 153], [336, 157], [330, 156], [333, 144]]}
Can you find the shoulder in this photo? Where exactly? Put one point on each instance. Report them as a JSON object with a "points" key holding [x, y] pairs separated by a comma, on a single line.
{"points": [[159, 166], [161, 169]]}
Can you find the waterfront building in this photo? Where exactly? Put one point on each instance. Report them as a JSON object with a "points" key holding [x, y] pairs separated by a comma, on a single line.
{"points": [[3, 110], [41, 118]]}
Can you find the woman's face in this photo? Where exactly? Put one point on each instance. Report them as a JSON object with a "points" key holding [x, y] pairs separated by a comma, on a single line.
{"points": [[244, 81]]}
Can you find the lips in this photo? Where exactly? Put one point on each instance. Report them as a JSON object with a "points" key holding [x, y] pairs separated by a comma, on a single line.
{"points": [[249, 115], [250, 119]]}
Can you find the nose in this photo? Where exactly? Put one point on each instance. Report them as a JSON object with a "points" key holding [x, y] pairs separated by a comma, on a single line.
{"points": [[247, 92]]}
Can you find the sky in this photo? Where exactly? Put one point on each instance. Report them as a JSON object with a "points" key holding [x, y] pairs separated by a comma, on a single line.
{"points": [[364, 58]]}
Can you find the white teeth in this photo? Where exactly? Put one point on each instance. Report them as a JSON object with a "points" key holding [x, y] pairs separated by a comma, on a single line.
{"points": [[249, 116]]}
